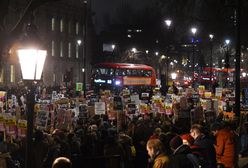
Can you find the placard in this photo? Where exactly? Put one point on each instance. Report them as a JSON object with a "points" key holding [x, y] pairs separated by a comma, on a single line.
{"points": [[218, 92], [100, 108]]}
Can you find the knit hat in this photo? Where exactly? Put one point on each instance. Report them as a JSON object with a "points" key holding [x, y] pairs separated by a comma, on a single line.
{"points": [[176, 142], [188, 138]]}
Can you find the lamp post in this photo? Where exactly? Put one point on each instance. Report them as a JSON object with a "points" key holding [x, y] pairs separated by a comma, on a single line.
{"points": [[193, 31], [84, 69], [227, 43], [211, 36], [113, 51], [79, 42], [168, 23], [31, 71]]}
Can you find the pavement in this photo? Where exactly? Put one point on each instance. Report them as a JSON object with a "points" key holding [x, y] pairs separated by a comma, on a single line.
{"points": [[243, 162]]}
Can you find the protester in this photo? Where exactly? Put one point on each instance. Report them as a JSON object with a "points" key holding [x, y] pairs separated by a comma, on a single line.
{"points": [[225, 145], [156, 133], [155, 150], [205, 144], [182, 156]]}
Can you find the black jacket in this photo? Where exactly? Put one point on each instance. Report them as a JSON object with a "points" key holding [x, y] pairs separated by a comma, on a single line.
{"points": [[179, 158]]}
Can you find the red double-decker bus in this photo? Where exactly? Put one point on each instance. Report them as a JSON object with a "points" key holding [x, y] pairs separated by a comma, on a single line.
{"points": [[119, 75]]}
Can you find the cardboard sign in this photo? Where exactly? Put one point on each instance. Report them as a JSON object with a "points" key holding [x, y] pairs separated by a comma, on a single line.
{"points": [[100, 108], [218, 92], [79, 87], [208, 94], [41, 120], [135, 98], [21, 128]]}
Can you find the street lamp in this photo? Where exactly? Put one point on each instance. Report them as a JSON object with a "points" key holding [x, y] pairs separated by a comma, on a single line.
{"points": [[173, 75], [193, 31], [32, 62], [168, 23], [134, 50], [211, 36], [79, 42]]}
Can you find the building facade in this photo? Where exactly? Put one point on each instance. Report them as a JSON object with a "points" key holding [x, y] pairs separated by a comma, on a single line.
{"points": [[64, 29]]}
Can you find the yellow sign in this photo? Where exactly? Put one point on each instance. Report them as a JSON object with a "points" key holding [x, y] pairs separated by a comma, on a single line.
{"points": [[208, 94], [22, 123]]}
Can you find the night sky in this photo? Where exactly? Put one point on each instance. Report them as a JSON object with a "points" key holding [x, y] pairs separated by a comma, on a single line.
{"points": [[109, 8]]}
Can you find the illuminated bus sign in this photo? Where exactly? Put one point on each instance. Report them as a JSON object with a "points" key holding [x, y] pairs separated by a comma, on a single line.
{"points": [[136, 81]]}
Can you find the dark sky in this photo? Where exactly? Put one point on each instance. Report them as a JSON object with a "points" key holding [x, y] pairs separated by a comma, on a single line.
{"points": [[110, 7]]}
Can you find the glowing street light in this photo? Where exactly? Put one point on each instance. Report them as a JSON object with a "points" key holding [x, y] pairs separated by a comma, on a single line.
{"points": [[173, 75], [113, 46], [32, 59], [79, 42], [168, 23], [134, 50]]}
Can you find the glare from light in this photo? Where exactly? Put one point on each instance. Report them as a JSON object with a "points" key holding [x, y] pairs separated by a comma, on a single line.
{"points": [[227, 41], [33, 68], [211, 36], [244, 74], [79, 42], [113, 46], [156, 53], [193, 30], [147, 51], [173, 75], [168, 22], [134, 50]]}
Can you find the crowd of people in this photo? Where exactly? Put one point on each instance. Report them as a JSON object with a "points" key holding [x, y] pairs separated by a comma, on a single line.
{"points": [[144, 141]]}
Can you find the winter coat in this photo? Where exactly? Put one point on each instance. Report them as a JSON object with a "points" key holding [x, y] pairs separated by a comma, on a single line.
{"points": [[161, 161], [225, 148], [179, 158], [207, 149]]}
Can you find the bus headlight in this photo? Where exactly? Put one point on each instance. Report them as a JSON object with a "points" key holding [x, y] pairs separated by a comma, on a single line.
{"points": [[117, 83]]}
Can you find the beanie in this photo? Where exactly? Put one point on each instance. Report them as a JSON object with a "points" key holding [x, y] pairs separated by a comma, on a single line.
{"points": [[188, 138], [176, 142]]}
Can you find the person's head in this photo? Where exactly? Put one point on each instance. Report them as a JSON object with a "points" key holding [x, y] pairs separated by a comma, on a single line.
{"points": [[215, 127], [157, 131], [176, 142], [196, 130], [187, 139], [154, 147], [62, 162]]}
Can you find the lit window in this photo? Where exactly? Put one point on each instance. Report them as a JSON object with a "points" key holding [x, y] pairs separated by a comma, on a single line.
{"points": [[61, 25], [69, 50], [12, 73], [77, 51], [53, 49], [53, 24], [77, 27], [61, 49]]}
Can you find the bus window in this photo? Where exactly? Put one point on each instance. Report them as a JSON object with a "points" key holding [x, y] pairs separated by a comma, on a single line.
{"points": [[147, 73], [111, 71], [134, 72], [120, 72]]}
